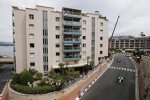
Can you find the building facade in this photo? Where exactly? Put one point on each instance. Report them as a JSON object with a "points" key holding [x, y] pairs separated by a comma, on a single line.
{"points": [[131, 43], [44, 38]]}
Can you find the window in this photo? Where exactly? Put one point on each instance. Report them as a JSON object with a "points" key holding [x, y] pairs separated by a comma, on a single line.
{"points": [[32, 54], [57, 36], [32, 64], [31, 45], [31, 16], [31, 35], [101, 38], [101, 52], [45, 67], [57, 53], [57, 28], [101, 45], [57, 61], [99, 58], [57, 45], [101, 23], [84, 45], [84, 21], [101, 30], [84, 52], [31, 25], [57, 19], [84, 29], [84, 37]]}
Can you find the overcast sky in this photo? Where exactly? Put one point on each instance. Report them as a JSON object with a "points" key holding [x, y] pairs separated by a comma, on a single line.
{"points": [[134, 14]]}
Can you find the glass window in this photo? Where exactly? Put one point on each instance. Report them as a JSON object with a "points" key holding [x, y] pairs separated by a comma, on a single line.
{"points": [[101, 52], [57, 53], [101, 23], [32, 54], [57, 19], [31, 45], [84, 45], [84, 37], [101, 45], [31, 25], [31, 16], [101, 38], [84, 21], [31, 35], [32, 64], [57, 36], [101, 30], [57, 28], [57, 45]]}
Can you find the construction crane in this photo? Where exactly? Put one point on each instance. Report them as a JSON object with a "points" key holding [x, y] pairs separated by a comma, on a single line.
{"points": [[109, 44]]}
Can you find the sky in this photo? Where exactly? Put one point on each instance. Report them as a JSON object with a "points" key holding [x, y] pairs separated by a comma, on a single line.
{"points": [[134, 14]]}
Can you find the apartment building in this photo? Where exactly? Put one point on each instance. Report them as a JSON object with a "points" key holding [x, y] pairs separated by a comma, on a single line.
{"points": [[131, 43], [44, 38]]}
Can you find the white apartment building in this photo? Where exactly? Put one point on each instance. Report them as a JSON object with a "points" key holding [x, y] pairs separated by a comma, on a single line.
{"points": [[44, 38]]}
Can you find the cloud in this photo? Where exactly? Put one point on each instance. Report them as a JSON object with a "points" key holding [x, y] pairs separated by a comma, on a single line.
{"points": [[134, 14]]}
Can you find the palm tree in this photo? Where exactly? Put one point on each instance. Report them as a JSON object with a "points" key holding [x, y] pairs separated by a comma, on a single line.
{"points": [[61, 65]]}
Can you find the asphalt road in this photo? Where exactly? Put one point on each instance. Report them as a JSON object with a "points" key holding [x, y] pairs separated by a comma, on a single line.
{"points": [[5, 75], [105, 88]]}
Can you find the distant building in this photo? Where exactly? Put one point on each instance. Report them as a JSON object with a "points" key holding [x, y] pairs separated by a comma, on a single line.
{"points": [[44, 38], [131, 43]]}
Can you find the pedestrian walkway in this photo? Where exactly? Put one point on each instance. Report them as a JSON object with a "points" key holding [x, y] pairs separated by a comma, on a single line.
{"points": [[123, 69], [74, 93]]}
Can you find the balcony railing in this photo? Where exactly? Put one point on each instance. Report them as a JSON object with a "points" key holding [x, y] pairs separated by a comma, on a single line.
{"points": [[70, 40], [72, 49], [73, 15], [72, 32], [72, 23], [72, 57]]}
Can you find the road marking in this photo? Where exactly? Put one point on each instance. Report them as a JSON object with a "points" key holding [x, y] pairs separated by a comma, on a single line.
{"points": [[123, 69]]}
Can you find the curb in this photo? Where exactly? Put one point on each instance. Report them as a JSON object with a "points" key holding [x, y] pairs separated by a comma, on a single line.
{"points": [[136, 81], [88, 85]]}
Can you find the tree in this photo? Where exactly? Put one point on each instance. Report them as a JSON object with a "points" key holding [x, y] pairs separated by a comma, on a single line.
{"points": [[61, 65], [25, 77]]}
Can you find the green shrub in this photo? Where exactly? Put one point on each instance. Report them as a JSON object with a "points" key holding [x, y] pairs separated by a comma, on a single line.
{"points": [[26, 77], [39, 75], [36, 90]]}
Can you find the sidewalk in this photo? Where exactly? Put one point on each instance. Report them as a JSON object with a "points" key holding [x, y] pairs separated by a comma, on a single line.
{"points": [[5, 94], [141, 80], [74, 93]]}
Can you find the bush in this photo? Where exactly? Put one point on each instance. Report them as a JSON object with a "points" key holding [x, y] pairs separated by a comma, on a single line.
{"points": [[39, 75], [36, 90], [15, 78], [26, 77]]}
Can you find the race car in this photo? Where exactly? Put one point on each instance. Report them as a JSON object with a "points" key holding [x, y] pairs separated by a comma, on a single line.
{"points": [[120, 79]]}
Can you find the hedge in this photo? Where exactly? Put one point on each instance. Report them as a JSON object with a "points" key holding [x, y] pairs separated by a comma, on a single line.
{"points": [[31, 90]]}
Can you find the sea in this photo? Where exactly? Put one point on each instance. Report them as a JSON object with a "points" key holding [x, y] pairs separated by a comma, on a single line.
{"points": [[6, 51]]}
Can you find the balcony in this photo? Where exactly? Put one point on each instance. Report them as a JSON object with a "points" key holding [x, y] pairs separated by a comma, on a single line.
{"points": [[71, 49], [72, 57], [72, 32], [72, 15], [72, 41], [72, 23]]}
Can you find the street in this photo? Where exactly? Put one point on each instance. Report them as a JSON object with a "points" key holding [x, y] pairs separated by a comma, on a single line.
{"points": [[5, 75], [105, 88]]}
